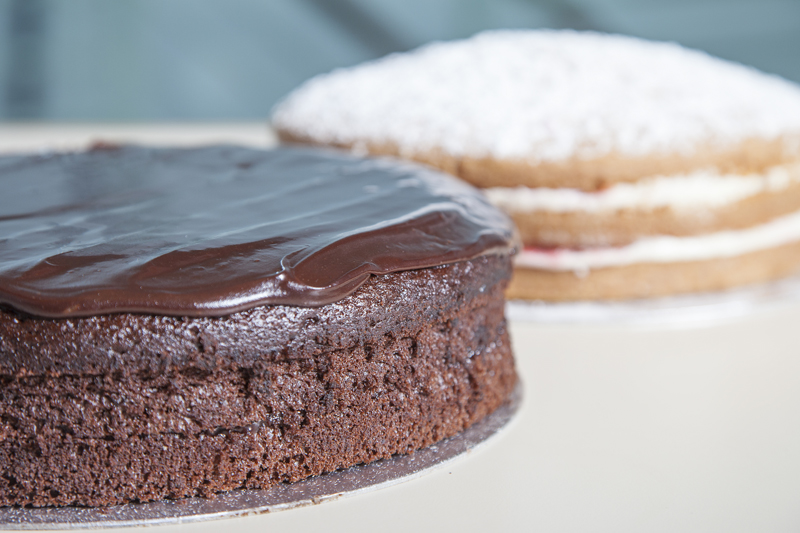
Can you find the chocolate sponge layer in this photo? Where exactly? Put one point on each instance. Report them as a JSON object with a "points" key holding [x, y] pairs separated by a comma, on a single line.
{"points": [[130, 407]]}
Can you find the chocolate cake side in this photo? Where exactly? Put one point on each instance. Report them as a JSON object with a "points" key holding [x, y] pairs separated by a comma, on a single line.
{"points": [[131, 407]]}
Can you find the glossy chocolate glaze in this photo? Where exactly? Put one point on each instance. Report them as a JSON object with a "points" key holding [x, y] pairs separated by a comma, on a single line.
{"points": [[211, 231]]}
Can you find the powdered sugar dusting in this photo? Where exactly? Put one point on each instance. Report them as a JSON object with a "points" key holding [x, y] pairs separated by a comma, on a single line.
{"points": [[544, 95]]}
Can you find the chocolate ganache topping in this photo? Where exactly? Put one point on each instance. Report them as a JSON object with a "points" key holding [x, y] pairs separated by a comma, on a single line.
{"points": [[215, 230]]}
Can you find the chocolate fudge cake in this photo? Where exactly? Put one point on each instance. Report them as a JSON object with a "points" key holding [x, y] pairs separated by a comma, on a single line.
{"points": [[632, 168], [178, 322]]}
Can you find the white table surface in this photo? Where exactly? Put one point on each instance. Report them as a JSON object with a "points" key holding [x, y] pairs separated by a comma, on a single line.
{"points": [[623, 427]]}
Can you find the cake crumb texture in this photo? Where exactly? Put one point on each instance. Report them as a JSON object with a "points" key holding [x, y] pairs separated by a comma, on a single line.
{"points": [[127, 407]]}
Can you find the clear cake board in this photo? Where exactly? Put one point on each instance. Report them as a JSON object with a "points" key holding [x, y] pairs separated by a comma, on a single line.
{"points": [[327, 487], [682, 311]]}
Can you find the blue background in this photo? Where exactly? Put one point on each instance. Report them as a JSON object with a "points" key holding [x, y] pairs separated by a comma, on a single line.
{"points": [[178, 60]]}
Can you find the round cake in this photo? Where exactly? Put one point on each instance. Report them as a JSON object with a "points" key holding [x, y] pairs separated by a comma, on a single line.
{"points": [[631, 168], [178, 322]]}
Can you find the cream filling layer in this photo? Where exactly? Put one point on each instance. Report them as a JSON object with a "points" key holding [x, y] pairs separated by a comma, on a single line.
{"points": [[666, 249], [699, 189]]}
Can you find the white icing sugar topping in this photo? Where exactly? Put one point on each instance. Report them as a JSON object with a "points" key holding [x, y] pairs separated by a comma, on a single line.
{"points": [[700, 189], [667, 249], [543, 95]]}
